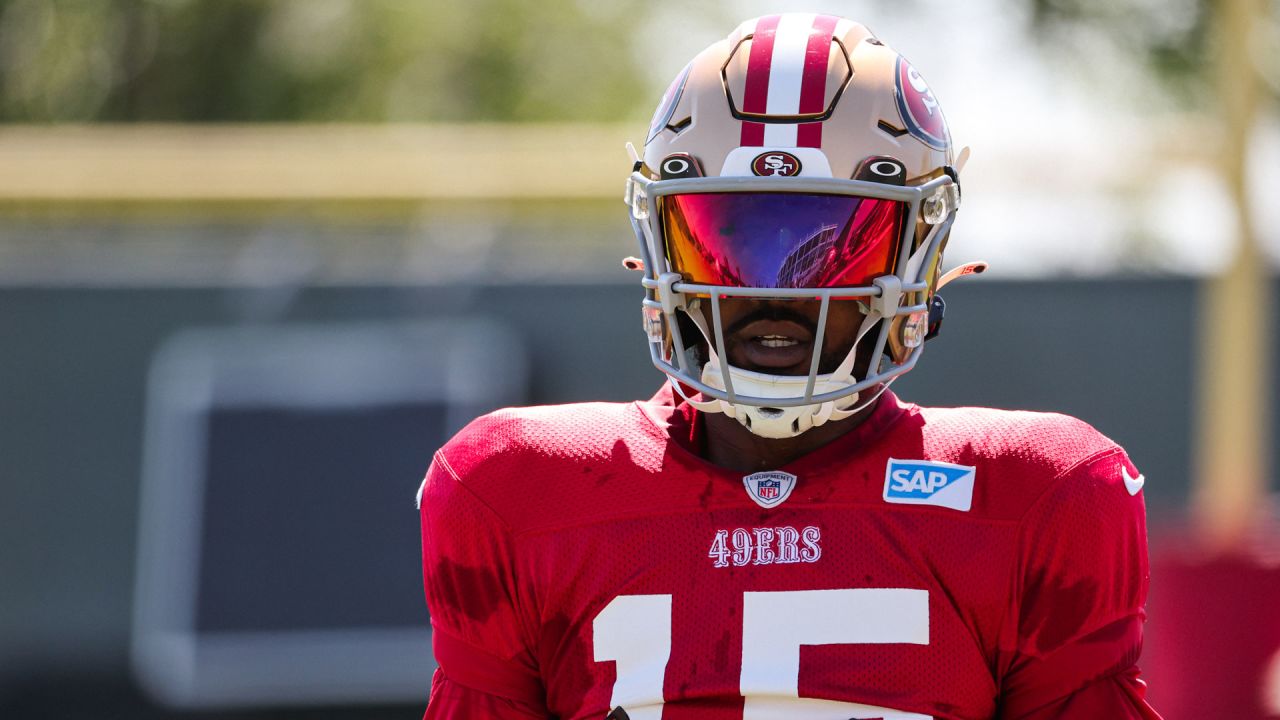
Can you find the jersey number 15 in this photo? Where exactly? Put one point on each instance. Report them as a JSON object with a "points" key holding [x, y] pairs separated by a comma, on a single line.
{"points": [[634, 632]]}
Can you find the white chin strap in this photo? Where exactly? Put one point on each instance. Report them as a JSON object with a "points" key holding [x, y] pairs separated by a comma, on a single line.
{"points": [[779, 422], [784, 422]]}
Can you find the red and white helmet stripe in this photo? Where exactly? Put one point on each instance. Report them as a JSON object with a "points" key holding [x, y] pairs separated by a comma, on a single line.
{"points": [[786, 77]]}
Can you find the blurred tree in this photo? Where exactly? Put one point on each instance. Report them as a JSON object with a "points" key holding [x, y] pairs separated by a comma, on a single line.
{"points": [[1222, 58], [1173, 39], [320, 60], [1169, 36]]}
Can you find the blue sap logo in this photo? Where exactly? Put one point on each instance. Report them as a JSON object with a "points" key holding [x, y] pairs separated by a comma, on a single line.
{"points": [[923, 482]]}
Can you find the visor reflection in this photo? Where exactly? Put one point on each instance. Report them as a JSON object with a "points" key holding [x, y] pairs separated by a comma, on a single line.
{"points": [[785, 240]]}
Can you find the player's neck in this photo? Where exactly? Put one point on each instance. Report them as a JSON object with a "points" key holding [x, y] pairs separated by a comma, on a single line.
{"points": [[730, 445]]}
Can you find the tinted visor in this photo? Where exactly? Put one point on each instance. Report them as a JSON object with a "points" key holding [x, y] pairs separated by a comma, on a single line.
{"points": [[782, 240]]}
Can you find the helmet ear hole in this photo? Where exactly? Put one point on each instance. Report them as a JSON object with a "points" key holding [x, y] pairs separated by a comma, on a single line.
{"points": [[937, 311]]}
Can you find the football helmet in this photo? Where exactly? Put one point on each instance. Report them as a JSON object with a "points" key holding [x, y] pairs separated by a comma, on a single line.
{"points": [[798, 159]]}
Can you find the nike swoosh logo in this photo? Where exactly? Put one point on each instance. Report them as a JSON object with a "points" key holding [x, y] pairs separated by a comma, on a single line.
{"points": [[1132, 484]]}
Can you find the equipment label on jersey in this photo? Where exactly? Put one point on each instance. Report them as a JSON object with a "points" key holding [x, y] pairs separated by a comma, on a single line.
{"points": [[923, 482], [769, 489]]}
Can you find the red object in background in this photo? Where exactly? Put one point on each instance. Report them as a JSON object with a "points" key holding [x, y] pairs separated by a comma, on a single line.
{"points": [[1213, 636]]}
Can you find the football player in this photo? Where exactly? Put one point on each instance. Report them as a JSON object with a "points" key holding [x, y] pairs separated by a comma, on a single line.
{"points": [[775, 534]]}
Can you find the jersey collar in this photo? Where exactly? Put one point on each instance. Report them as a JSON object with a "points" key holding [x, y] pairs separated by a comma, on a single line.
{"points": [[680, 425]]}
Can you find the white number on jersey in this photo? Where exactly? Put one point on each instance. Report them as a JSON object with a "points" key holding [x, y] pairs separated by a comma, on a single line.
{"points": [[634, 631]]}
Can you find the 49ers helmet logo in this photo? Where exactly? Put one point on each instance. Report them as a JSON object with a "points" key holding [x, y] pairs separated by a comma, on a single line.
{"points": [[776, 162], [919, 109]]}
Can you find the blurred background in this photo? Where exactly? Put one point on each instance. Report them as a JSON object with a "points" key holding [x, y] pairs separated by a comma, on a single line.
{"points": [[258, 258]]}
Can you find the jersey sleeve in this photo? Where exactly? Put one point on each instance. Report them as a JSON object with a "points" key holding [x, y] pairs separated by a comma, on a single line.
{"points": [[1120, 696], [481, 644], [1080, 590]]}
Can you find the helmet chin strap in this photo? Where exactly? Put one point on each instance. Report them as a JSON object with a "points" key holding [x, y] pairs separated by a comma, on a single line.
{"points": [[782, 422]]}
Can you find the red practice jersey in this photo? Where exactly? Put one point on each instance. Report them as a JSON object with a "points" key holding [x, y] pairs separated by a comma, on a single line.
{"points": [[931, 563]]}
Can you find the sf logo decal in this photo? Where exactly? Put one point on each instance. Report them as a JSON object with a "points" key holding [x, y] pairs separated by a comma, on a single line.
{"points": [[776, 163], [919, 108]]}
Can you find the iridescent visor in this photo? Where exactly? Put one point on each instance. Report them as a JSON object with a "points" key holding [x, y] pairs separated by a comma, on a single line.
{"points": [[782, 240]]}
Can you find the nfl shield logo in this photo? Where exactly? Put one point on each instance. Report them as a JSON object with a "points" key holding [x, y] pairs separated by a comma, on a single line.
{"points": [[769, 489]]}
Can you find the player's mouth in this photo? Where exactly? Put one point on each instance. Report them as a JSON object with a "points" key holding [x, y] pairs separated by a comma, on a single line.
{"points": [[779, 347]]}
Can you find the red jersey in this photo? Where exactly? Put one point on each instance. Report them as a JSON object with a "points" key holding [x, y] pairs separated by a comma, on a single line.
{"points": [[957, 563]]}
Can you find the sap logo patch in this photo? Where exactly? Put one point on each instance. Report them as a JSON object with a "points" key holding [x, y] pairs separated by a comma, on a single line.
{"points": [[921, 482]]}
